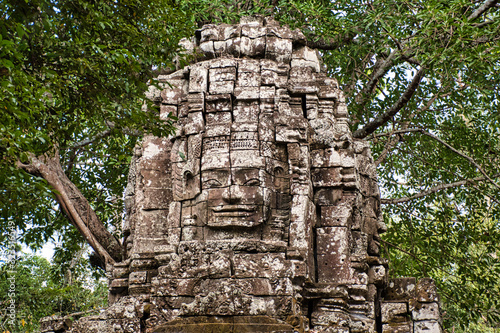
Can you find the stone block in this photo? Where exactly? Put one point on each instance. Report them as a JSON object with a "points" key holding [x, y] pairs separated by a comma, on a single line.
{"points": [[172, 94], [339, 215], [252, 47], [323, 158], [247, 159], [394, 312], [400, 289], [426, 311], [233, 46], [155, 179], [190, 233], [167, 111], [218, 103], [223, 63], [253, 31], [326, 177], [231, 31], [195, 123], [119, 283], [138, 277], [198, 78], [341, 111], [221, 264], [427, 326], [267, 265], [302, 75], [333, 254], [152, 222], [176, 287], [221, 87], [248, 79], [156, 199], [222, 74], [269, 78], [208, 49], [291, 134], [209, 32], [247, 93], [427, 291], [327, 196], [397, 328], [278, 49], [377, 275], [154, 148], [215, 160], [219, 48]]}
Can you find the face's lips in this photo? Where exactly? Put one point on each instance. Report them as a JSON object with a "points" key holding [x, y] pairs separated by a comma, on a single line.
{"points": [[233, 214], [234, 210]]}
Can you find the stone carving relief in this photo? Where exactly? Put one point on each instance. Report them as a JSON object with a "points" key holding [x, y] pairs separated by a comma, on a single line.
{"points": [[262, 213]]}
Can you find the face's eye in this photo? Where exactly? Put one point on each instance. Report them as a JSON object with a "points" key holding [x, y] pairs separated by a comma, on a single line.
{"points": [[252, 182], [210, 183]]}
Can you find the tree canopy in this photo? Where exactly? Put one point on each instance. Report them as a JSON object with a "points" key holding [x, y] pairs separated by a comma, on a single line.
{"points": [[42, 290], [421, 82]]}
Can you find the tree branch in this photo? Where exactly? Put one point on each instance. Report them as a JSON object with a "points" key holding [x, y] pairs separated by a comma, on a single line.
{"points": [[96, 137], [381, 69], [409, 130], [435, 189], [393, 110], [331, 43], [414, 256], [456, 151], [391, 143], [75, 205], [470, 159], [102, 135], [483, 8]]}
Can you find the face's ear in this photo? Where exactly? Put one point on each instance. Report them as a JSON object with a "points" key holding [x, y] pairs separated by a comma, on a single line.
{"points": [[191, 183]]}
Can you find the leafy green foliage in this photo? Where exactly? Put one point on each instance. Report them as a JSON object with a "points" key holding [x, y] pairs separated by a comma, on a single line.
{"points": [[75, 72], [41, 290], [458, 248]]}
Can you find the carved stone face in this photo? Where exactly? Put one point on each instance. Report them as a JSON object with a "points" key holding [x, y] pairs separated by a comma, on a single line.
{"points": [[238, 197], [238, 187], [235, 182]]}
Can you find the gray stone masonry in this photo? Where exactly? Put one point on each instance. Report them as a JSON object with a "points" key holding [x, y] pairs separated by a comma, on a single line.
{"points": [[262, 213]]}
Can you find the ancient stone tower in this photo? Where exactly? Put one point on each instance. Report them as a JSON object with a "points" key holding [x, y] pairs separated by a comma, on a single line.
{"points": [[262, 214]]}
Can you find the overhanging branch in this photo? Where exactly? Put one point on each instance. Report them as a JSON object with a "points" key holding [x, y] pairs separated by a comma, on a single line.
{"points": [[483, 8], [75, 206], [456, 151], [381, 68], [435, 189], [104, 134], [96, 137], [393, 110], [447, 145], [330, 43]]}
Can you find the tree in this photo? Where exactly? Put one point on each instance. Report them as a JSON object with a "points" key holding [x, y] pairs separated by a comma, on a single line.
{"points": [[42, 290], [421, 84], [73, 76]]}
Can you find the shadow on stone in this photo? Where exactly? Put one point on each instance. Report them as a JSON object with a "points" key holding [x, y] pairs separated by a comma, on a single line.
{"points": [[221, 324]]}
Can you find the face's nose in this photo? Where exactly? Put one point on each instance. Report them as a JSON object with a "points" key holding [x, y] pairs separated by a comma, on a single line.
{"points": [[228, 195], [232, 195]]}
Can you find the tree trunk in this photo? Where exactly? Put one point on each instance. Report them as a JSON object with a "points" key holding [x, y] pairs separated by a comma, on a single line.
{"points": [[75, 206]]}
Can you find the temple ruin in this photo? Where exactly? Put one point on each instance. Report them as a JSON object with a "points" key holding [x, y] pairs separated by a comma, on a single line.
{"points": [[262, 213]]}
